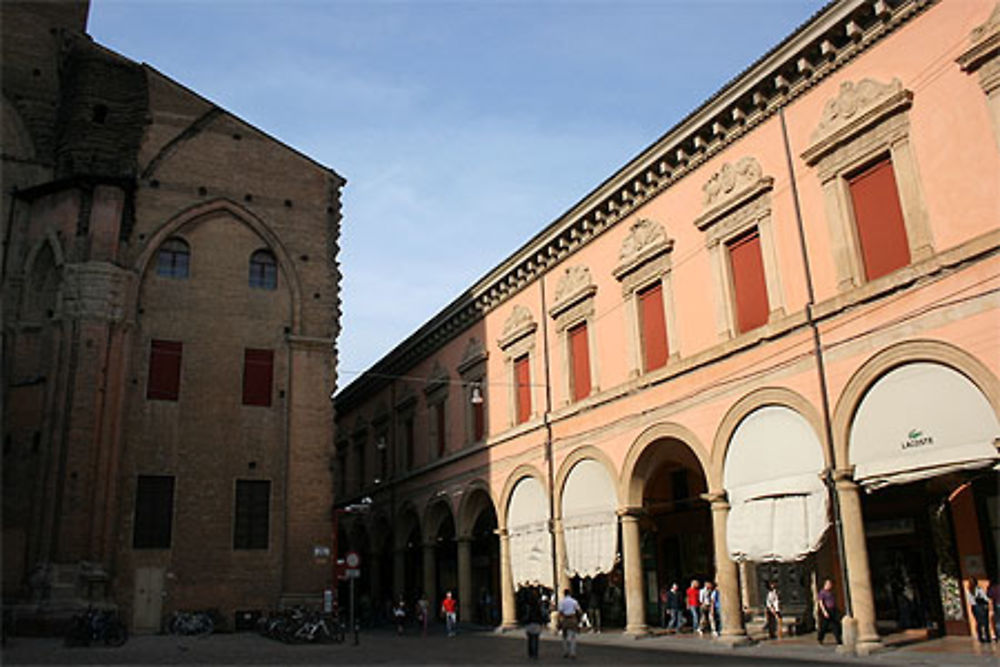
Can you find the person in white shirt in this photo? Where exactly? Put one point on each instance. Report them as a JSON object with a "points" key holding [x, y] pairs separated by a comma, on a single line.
{"points": [[569, 623], [773, 611]]}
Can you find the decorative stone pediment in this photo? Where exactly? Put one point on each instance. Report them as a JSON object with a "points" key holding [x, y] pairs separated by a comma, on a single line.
{"points": [[574, 286], [519, 324], [475, 354], [405, 397], [360, 425], [989, 29], [984, 54], [437, 380], [645, 241], [732, 187], [381, 414], [856, 108]]}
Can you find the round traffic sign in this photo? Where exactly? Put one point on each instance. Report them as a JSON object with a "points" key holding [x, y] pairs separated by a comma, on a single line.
{"points": [[352, 559]]}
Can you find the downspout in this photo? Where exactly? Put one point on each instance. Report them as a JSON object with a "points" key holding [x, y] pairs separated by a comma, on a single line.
{"points": [[549, 463], [820, 372]]}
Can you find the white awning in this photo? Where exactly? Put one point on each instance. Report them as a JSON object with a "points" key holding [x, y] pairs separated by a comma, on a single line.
{"points": [[530, 539], [778, 503], [590, 524], [918, 421]]}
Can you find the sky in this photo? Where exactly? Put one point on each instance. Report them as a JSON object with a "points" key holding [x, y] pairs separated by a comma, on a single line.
{"points": [[463, 127]]}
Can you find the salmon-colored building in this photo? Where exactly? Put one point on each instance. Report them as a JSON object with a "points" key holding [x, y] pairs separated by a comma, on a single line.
{"points": [[766, 349]]}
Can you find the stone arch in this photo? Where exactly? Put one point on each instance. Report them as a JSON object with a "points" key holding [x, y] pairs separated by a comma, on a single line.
{"points": [[35, 291], [240, 213], [577, 455], [640, 461], [766, 396], [406, 518], [475, 497], [897, 355], [438, 511], [519, 473]]}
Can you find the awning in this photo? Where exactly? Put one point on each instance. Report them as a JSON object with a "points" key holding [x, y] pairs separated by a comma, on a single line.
{"points": [[778, 503], [590, 524], [530, 539], [918, 421]]}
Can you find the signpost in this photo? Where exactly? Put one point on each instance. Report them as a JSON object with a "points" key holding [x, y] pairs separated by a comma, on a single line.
{"points": [[353, 571]]}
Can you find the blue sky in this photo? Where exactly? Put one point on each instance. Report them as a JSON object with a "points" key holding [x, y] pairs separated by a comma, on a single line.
{"points": [[463, 128]]}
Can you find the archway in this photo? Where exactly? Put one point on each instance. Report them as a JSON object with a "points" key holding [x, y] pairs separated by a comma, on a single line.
{"points": [[441, 571], [479, 526], [408, 568]]}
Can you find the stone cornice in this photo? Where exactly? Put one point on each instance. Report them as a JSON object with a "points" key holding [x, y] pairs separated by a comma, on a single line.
{"points": [[829, 40], [985, 43]]}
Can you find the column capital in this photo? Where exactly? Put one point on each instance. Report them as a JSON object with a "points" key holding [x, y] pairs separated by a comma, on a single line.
{"points": [[464, 539], [844, 478], [630, 513], [718, 499], [502, 533]]}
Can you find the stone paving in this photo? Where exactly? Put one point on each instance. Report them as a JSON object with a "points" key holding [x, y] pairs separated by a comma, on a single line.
{"points": [[479, 647]]}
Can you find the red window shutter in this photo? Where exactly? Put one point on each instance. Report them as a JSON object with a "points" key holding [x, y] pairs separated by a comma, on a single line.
{"points": [[439, 417], [258, 373], [748, 282], [164, 381], [523, 374], [655, 348], [879, 219], [478, 422], [580, 361]]}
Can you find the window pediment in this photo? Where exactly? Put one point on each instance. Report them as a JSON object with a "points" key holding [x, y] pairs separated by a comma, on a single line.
{"points": [[646, 241], [519, 324], [856, 108], [475, 354], [437, 381], [732, 187], [574, 286]]}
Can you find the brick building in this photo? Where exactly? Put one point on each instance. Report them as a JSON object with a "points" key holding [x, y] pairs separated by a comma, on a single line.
{"points": [[763, 350], [170, 312]]}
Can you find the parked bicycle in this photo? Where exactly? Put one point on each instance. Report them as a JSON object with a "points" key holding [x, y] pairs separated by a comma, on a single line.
{"points": [[96, 625], [191, 623], [299, 625]]}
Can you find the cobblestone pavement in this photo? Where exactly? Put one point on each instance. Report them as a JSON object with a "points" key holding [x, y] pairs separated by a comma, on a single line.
{"points": [[385, 648]]}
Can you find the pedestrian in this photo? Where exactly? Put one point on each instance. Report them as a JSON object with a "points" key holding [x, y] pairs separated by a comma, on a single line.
{"points": [[399, 615], [979, 601], [693, 605], [569, 623], [675, 605], [533, 622], [449, 609], [994, 595], [829, 616], [594, 602], [423, 611], [716, 610], [705, 607], [710, 607], [773, 611], [664, 610]]}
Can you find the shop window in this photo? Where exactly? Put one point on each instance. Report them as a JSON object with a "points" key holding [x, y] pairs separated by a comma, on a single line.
{"points": [[258, 376], [522, 372], [164, 379], [579, 351], [653, 328], [879, 220], [263, 270], [749, 284], [173, 259], [154, 511], [252, 520]]}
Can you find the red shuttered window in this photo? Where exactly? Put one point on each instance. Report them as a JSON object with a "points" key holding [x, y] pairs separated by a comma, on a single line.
{"points": [[164, 381], [579, 352], [478, 421], [748, 281], [258, 373], [522, 373], [653, 328], [879, 219]]}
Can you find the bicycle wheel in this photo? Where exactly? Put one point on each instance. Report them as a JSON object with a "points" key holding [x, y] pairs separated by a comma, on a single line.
{"points": [[115, 634]]}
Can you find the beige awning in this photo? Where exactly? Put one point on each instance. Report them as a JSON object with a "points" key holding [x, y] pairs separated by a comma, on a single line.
{"points": [[772, 476], [921, 420], [530, 539], [590, 524]]}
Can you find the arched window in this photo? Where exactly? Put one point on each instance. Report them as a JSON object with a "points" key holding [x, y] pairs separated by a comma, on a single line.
{"points": [[173, 259], [263, 270]]}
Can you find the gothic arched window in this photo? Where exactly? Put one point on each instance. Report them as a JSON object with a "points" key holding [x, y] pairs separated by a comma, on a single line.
{"points": [[263, 270]]}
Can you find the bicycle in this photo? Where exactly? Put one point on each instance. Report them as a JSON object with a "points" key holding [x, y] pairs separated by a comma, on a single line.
{"points": [[96, 625]]}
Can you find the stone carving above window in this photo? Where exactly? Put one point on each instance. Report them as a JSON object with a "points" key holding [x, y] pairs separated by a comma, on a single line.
{"points": [[856, 108], [438, 379], [519, 324], [574, 286], [475, 353], [646, 241], [729, 181], [405, 397], [984, 55], [733, 198]]}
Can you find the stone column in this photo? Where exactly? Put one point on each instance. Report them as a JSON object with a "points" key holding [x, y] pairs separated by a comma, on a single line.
{"points": [[399, 573], [726, 575], [561, 559], [378, 595], [635, 606], [856, 555], [508, 614], [466, 596], [430, 570]]}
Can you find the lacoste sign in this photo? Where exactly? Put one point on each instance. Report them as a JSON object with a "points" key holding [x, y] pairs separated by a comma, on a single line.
{"points": [[916, 438]]}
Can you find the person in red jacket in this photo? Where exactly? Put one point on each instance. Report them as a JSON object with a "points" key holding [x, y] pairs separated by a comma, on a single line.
{"points": [[694, 604], [449, 609]]}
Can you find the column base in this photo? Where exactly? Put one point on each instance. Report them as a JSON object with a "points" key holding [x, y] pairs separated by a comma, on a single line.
{"points": [[507, 627], [636, 631], [734, 640], [854, 644]]}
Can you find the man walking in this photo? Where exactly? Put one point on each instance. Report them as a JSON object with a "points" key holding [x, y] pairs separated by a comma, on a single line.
{"points": [[829, 616], [569, 623], [675, 605], [449, 608]]}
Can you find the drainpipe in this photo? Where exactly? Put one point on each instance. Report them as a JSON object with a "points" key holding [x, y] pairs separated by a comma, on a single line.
{"points": [[821, 373], [550, 464]]}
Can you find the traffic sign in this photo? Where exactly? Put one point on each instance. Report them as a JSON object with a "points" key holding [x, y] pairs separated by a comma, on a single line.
{"points": [[352, 573], [352, 559]]}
